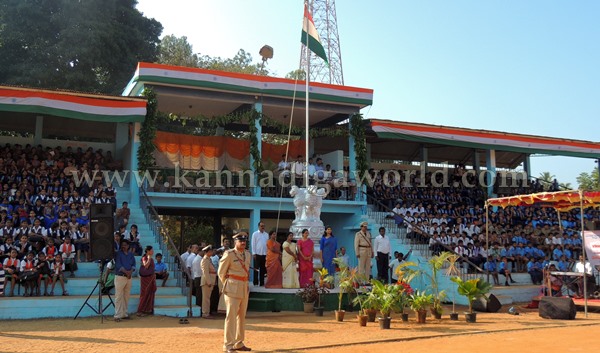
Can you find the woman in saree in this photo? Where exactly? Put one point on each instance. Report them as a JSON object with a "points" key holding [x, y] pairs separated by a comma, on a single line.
{"points": [[328, 245], [289, 260], [147, 283], [305, 260], [274, 270]]}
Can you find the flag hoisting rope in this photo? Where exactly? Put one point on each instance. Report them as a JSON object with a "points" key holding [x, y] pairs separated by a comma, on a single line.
{"points": [[310, 38]]}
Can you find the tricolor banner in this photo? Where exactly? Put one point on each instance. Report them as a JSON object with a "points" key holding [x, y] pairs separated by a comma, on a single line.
{"points": [[310, 36]]}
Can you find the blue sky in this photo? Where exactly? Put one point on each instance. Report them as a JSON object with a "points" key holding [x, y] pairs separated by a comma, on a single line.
{"points": [[530, 67]]}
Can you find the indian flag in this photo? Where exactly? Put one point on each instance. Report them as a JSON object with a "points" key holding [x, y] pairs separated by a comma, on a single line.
{"points": [[310, 36]]}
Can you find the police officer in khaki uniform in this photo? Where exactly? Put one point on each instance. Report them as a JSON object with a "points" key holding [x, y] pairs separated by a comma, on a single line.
{"points": [[208, 280], [364, 250], [234, 269]]}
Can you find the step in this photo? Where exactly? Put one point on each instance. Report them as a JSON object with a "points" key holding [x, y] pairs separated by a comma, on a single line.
{"points": [[59, 306], [261, 304], [177, 311], [519, 294]]}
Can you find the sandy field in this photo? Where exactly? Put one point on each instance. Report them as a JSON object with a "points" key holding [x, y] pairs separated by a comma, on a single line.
{"points": [[299, 332]]}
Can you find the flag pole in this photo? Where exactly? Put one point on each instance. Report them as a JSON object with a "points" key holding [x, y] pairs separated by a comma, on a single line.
{"points": [[307, 105]]}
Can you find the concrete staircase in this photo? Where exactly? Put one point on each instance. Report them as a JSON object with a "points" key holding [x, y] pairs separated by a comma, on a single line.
{"points": [[169, 300], [519, 292]]}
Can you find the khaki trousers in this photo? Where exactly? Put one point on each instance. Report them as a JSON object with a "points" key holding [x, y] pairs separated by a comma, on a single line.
{"points": [[235, 322], [122, 294], [206, 292], [364, 262]]}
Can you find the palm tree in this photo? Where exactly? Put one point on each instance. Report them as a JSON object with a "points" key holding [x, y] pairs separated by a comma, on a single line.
{"points": [[546, 179], [565, 186]]}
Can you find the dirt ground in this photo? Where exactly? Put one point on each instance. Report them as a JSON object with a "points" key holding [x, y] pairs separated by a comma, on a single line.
{"points": [[299, 332]]}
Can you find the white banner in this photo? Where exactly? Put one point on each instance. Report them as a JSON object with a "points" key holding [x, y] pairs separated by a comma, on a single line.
{"points": [[592, 246]]}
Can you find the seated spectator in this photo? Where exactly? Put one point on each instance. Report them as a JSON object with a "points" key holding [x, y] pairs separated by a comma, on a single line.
{"points": [[504, 269], [123, 214], [11, 266], [160, 269], [68, 252], [28, 274], [57, 268], [43, 269]]}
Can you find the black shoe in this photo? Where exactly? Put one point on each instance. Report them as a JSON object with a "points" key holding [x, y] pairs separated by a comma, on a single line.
{"points": [[506, 284], [513, 281]]}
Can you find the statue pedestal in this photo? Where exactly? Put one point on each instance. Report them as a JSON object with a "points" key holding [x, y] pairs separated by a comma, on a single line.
{"points": [[308, 202]]}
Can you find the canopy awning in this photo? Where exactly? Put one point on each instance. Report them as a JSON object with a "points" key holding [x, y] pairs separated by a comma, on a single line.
{"points": [[72, 105], [484, 139], [560, 200]]}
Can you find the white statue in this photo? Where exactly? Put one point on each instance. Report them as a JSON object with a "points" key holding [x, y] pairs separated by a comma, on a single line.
{"points": [[308, 202]]}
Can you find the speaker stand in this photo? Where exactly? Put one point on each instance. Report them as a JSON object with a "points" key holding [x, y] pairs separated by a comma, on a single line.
{"points": [[100, 286]]}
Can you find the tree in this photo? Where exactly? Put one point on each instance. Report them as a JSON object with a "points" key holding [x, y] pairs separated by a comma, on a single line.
{"points": [[176, 51], [241, 62], [589, 181], [546, 179], [296, 75], [91, 45]]}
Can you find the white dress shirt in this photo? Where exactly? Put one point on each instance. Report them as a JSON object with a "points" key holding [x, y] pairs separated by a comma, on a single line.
{"points": [[382, 244], [196, 267], [259, 243], [189, 260], [588, 267]]}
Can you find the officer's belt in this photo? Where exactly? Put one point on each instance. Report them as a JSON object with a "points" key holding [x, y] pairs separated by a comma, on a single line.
{"points": [[239, 278]]}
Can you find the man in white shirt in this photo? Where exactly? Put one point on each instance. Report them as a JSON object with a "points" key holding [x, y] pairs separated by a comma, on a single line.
{"points": [[196, 267], [344, 258], [586, 268], [298, 171], [259, 254], [382, 249]]}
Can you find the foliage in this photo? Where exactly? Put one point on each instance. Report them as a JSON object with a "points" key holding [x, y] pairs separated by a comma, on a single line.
{"points": [[546, 179], [349, 280], [420, 300], [357, 131], [589, 181], [147, 133], [363, 300], [296, 75], [473, 289], [387, 297], [176, 51], [188, 230], [435, 264], [253, 121], [324, 278], [241, 62], [91, 45]]}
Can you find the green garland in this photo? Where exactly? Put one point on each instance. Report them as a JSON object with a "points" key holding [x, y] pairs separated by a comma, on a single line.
{"points": [[357, 131], [254, 120], [147, 133]]}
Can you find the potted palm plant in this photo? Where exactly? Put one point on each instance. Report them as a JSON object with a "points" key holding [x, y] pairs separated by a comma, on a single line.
{"points": [[435, 264], [324, 281], [452, 271], [387, 298], [473, 289], [362, 316], [420, 301], [348, 277]]}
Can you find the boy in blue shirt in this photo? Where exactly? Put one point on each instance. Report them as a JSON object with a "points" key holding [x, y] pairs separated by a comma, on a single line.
{"points": [[490, 267]]}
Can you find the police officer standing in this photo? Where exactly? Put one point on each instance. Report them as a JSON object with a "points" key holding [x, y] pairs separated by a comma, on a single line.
{"points": [[233, 272], [363, 250]]}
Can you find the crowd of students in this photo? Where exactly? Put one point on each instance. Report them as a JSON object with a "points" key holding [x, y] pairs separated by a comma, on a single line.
{"points": [[44, 214], [521, 239]]}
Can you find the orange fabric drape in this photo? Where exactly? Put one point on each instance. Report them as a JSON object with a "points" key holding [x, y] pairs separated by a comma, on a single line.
{"points": [[214, 152]]}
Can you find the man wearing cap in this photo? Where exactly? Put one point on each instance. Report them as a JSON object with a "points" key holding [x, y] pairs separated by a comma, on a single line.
{"points": [[124, 268], [233, 272], [208, 280], [363, 250]]}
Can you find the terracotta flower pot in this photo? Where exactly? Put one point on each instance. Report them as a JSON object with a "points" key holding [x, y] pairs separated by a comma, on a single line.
{"points": [[309, 307], [471, 317], [362, 320], [339, 315], [421, 316], [385, 323]]}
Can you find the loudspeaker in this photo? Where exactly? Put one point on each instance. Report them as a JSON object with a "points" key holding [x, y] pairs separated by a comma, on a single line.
{"points": [[491, 305], [101, 210], [557, 308], [102, 238]]}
